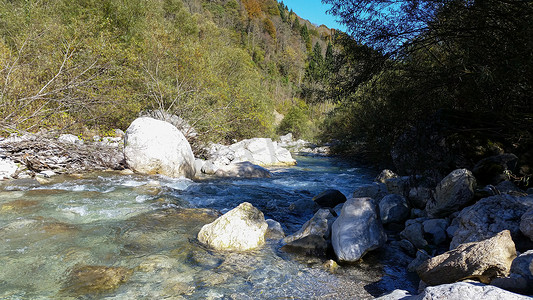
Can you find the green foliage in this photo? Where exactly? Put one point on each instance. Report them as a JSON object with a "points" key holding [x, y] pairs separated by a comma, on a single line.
{"points": [[296, 121]]}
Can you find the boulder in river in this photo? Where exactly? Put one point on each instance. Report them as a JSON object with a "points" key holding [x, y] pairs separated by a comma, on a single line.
{"points": [[453, 193], [357, 230], [393, 208], [240, 229], [96, 279], [484, 260], [317, 225], [488, 217], [157, 147], [243, 169]]}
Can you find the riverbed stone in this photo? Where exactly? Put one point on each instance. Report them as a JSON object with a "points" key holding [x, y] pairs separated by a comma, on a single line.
{"points": [[310, 245], [243, 169], [7, 168], [393, 208], [414, 233], [421, 257], [526, 224], [240, 229], [357, 230], [398, 185], [435, 231], [262, 151], [318, 225], [329, 198], [385, 175], [419, 196], [157, 147], [521, 278], [274, 230], [467, 290], [96, 279], [488, 217], [374, 190], [484, 260], [453, 193], [69, 138]]}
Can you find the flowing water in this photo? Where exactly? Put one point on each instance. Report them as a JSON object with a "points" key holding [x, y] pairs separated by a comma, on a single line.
{"points": [[118, 236]]}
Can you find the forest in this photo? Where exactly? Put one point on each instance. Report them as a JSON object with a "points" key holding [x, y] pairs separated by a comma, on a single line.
{"points": [[238, 69]]}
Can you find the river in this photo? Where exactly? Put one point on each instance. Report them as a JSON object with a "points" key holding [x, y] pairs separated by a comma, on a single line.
{"points": [[106, 235]]}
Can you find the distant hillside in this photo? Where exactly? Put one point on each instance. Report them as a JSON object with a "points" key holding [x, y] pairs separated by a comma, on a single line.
{"points": [[226, 66]]}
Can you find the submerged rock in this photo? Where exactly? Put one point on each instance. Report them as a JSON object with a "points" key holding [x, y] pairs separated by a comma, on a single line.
{"points": [[483, 260], [453, 193], [157, 147], [357, 230], [240, 229], [96, 279]]}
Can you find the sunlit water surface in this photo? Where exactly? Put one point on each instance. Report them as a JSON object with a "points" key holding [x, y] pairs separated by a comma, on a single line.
{"points": [[134, 237]]}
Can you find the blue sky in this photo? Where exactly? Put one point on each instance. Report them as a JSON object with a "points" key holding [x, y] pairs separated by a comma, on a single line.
{"points": [[314, 11]]}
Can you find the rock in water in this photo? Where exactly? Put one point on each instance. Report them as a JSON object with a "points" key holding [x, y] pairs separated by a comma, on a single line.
{"points": [[357, 230], [483, 260], [329, 198], [157, 147], [240, 229], [243, 169], [453, 193], [96, 279]]}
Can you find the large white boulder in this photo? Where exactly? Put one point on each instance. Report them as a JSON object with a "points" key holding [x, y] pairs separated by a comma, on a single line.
{"points": [[7, 168], [240, 229], [157, 147], [464, 290], [357, 230]]}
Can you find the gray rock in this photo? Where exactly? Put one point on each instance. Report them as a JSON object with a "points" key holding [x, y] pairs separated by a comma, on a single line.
{"points": [[484, 260], [419, 196], [7, 168], [418, 213], [521, 278], [453, 193], [464, 290], [395, 295], [318, 225], [488, 217], [393, 208], [209, 168], [435, 231], [357, 230], [507, 187], [421, 257], [526, 224], [407, 247], [398, 185], [157, 147], [414, 233], [374, 190], [69, 138], [311, 245], [259, 151], [384, 175], [274, 230], [244, 170], [240, 229]]}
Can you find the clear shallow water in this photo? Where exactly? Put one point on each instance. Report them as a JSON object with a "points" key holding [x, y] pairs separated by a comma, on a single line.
{"points": [[134, 237]]}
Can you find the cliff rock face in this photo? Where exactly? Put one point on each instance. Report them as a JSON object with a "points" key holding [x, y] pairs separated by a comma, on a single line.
{"points": [[157, 147]]}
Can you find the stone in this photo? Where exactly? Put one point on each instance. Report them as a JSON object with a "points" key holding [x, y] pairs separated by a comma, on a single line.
{"points": [[484, 261], [395, 295], [357, 230], [7, 168], [263, 152], [243, 169], [414, 233], [393, 208], [69, 138], [488, 217], [274, 230], [507, 187], [384, 175], [421, 257], [453, 193], [526, 224], [435, 231], [209, 168], [464, 290], [318, 225], [240, 229], [491, 170], [96, 279], [329, 198], [374, 190], [419, 196], [311, 245], [398, 185], [407, 247], [47, 173], [521, 278], [285, 139], [157, 147]]}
